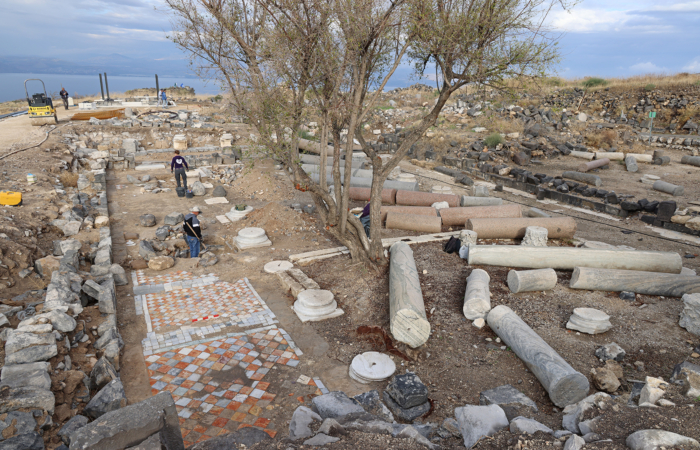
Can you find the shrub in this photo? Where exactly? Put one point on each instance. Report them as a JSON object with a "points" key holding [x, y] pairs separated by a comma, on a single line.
{"points": [[493, 140], [68, 179], [554, 81], [593, 82], [649, 87]]}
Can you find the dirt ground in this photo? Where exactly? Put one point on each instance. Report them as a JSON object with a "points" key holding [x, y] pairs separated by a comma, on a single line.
{"points": [[458, 362]]}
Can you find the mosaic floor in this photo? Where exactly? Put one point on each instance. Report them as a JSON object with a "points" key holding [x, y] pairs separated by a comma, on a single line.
{"points": [[216, 355]]}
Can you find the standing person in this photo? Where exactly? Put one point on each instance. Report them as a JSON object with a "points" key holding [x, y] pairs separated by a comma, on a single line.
{"points": [[178, 166], [64, 97], [164, 98], [193, 232]]}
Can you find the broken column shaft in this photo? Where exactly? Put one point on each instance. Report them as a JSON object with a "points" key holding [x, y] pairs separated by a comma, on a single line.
{"points": [[646, 283], [408, 321], [532, 280], [459, 216], [563, 384], [514, 228], [587, 178], [415, 198], [411, 222], [568, 258], [477, 298], [585, 167]]}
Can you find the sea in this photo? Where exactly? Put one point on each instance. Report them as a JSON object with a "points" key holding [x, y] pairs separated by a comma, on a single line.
{"points": [[12, 84]]}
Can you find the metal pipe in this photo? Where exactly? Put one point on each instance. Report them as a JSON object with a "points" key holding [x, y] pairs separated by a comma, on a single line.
{"points": [[102, 90], [157, 87], [107, 87]]}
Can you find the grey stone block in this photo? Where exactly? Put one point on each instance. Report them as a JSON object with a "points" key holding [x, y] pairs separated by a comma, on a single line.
{"points": [[407, 390], [334, 404], [102, 373], [131, 425], [70, 427], [476, 422], [406, 414], [299, 426], [36, 378], [27, 441], [174, 218], [12, 399], [511, 400], [372, 403], [529, 426], [108, 399]]}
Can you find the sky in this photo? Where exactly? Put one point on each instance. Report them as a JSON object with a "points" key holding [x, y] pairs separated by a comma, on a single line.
{"points": [[607, 38]]}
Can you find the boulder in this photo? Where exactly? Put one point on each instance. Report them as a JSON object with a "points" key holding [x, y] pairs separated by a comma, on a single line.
{"points": [[513, 402], [102, 374], [476, 422], [27, 441], [690, 316], [334, 404], [69, 427], [198, 189], [101, 221], [36, 378], [299, 426], [174, 218], [320, 439], [147, 220], [119, 275], [219, 191], [610, 351], [372, 403], [207, 259], [109, 398], [161, 263], [655, 439], [162, 233], [146, 250], [72, 228], [524, 425], [575, 442], [12, 399], [46, 266], [21, 422], [605, 379], [407, 390]]}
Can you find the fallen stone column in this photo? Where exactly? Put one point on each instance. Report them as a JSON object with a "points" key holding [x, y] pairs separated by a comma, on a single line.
{"points": [[563, 384], [568, 258], [583, 178], [410, 222], [363, 173], [315, 159], [459, 216], [480, 201], [315, 147], [662, 161], [408, 320], [477, 298], [414, 198], [631, 163], [646, 283], [367, 182], [514, 228], [668, 188], [585, 167], [531, 280], [584, 155], [691, 160], [362, 194], [412, 210], [612, 156], [641, 157]]}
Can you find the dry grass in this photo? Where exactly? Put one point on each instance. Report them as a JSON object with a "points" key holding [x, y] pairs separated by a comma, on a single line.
{"points": [[688, 113], [500, 124], [604, 139], [68, 179]]}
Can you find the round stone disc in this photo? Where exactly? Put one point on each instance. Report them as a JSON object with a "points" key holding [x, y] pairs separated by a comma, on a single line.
{"points": [[315, 298], [371, 366], [278, 266], [252, 235], [591, 314]]}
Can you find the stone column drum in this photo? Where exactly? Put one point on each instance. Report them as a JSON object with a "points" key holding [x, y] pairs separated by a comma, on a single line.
{"points": [[408, 321]]}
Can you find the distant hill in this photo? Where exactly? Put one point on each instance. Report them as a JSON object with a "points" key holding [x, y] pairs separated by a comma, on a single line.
{"points": [[114, 64]]}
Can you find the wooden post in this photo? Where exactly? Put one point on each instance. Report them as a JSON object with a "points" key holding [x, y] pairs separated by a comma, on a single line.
{"points": [[408, 321], [477, 298], [514, 228], [532, 280], [563, 384], [568, 258], [646, 283]]}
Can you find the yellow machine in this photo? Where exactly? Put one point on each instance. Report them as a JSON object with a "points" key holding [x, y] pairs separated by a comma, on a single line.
{"points": [[41, 110], [8, 198]]}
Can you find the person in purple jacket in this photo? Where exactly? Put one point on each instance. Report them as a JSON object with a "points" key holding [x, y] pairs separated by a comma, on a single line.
{"points": [[178, 165]]}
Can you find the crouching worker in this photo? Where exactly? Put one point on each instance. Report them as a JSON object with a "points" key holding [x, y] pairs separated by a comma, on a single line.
{"points": [[193, 231]]}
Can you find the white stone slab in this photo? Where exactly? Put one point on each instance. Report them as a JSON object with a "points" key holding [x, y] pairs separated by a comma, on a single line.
{"points": [[208, 186], [277, 266], [215, 200], [144, 167], [222, 219]]}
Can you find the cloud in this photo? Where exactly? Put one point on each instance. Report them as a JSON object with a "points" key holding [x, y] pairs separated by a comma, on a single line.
{"points": [[693, 66], [648, 67], [588, 20]]}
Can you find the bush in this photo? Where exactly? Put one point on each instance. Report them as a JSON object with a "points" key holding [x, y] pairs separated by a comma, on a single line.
{"points": [[593, 82], [493, 140], [68, 179], [649, 87], [554, 81]]}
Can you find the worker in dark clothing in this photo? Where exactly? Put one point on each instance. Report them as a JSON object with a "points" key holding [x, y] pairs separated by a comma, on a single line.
{"points": [[164, 99], [364, 218], [178, 166], [64, 97], [193, 232]]}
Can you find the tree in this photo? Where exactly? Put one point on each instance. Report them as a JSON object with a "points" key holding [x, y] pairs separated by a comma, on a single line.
{"points": [[272, 53]]}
